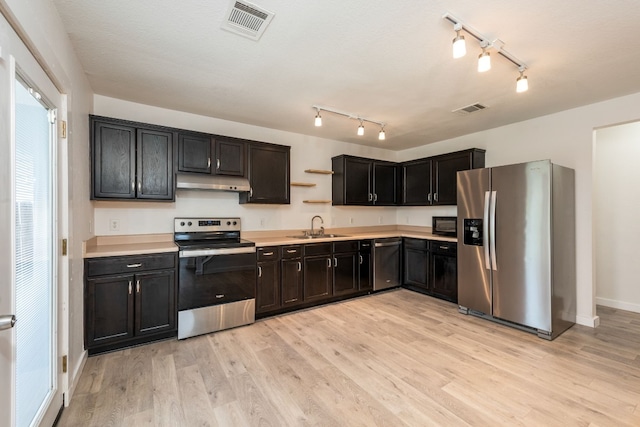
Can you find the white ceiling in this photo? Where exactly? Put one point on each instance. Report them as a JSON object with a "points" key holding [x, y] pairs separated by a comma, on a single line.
{"points": [[389, 61]]}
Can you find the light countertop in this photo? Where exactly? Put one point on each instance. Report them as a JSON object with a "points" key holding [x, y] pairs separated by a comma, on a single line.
{"points": [[105, 246]]}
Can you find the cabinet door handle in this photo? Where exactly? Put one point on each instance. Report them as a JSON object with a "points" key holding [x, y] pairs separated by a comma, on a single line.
{"points": [[375, 197], [250, 192], [370, 197], [259, 271], [335, 262], [134, 265], [133, 186], [130, 287], [217, 164], [435, 197], [429, 197], [137, 286], [299, 266], [139, 187], [208, 162], [360, 256], [329, 262]]}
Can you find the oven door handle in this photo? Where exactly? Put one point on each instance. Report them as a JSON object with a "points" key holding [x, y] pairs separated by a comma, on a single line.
{"points": [[222, 251]]}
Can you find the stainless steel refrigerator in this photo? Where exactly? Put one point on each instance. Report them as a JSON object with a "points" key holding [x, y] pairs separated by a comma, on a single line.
{"points": [[516, 246]]}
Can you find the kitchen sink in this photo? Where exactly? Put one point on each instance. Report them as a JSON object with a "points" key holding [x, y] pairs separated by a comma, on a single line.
{"points": [[317, 236]]}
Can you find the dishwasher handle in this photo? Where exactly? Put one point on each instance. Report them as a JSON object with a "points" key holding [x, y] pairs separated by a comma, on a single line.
{"points": [[383, 244]]}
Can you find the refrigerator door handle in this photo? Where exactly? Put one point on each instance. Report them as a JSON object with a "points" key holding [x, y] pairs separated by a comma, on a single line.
{"points": [[492, 230], [485, 230]]}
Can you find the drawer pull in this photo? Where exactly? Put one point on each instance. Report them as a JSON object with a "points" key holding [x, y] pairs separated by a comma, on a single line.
{"points": [[220, 296], [292, 251], [444, 247], [267, 253], [134, 265]]}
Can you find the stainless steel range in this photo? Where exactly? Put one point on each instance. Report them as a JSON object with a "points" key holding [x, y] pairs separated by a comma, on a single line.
{"points": [[217, 277]]}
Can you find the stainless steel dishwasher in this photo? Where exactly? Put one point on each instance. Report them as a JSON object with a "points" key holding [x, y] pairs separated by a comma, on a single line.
{"points": [[386, 263]]}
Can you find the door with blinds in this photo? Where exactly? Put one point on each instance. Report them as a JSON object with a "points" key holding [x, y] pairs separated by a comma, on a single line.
{"points": [[30, 371]]}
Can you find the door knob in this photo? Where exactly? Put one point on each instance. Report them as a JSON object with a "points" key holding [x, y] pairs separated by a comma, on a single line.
{"points": [[7, 321]]}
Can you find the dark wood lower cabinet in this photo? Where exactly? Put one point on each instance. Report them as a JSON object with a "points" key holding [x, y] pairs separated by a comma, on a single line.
{"points": [[123, 308], [292, 282], [430, 267], [365, 266], [317, 277], [444, 270], [268, 286]]}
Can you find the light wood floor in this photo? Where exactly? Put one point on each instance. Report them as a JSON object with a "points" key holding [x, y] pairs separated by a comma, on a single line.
{"points": [[392, 359]]}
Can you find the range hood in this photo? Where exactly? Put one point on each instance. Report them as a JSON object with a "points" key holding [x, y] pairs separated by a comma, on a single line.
{"points": [[212, 183]]}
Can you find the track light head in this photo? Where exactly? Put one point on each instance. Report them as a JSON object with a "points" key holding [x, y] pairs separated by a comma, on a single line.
{"points": [[381, 135], [522, 84], [484, 61], [318, 121], [459, 46], [361, 129]]}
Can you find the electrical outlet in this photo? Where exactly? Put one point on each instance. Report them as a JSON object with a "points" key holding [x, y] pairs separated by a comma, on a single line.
{"points": [[351, 220], [114, 224], [262, 222], [380, 219]]}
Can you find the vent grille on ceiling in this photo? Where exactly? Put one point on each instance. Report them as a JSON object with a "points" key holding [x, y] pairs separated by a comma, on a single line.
{"points": [[469, 109], [247, 20]]}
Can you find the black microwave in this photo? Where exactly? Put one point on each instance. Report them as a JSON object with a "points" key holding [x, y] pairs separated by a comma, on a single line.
{"points": [[445, 225]]}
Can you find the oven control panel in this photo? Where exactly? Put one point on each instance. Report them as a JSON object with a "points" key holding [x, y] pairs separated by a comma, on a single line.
{"points": [[195, 225]]}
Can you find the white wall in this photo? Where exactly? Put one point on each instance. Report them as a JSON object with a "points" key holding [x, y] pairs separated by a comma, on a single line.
{"points": [[306, 153], [616, 206], [40, 21]]}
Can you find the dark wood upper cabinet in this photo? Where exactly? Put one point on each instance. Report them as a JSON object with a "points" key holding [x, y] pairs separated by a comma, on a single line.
{"points": [[445, 169], [194, 153], [113, 152], [130, 160], [154, 165], [416, 177], [432, 180], [230, 157], [268, 173], [211, 154], [361, 181]]}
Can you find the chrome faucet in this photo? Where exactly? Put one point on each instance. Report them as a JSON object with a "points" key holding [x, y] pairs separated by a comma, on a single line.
{"points": [[321, 227]]}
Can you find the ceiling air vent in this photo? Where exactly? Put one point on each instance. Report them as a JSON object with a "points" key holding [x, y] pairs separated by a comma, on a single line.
{"points": [[469, 109], [246, 19]]}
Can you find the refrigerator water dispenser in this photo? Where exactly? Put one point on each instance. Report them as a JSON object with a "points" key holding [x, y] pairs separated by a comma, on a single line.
{"points": [[473, 231]]}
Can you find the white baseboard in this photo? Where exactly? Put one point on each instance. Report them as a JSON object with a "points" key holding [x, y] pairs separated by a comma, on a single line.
{"points": [[621, 305], [592, 322], [76, 377]]}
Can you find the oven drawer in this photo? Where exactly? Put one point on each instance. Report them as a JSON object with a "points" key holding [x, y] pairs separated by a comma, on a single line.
{"points": [[130, 264]]}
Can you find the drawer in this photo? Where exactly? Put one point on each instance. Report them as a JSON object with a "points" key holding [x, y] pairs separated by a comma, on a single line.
{"points": [[421, 244], [350, 246], [450, 248], [268, 253], [129, 264], [317, 249], [291, 251]]}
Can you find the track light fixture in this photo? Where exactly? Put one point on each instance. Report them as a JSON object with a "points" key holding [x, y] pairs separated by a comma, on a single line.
{"points": [[318, 120], [484, 59], [459, 46], [522, 85]]}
